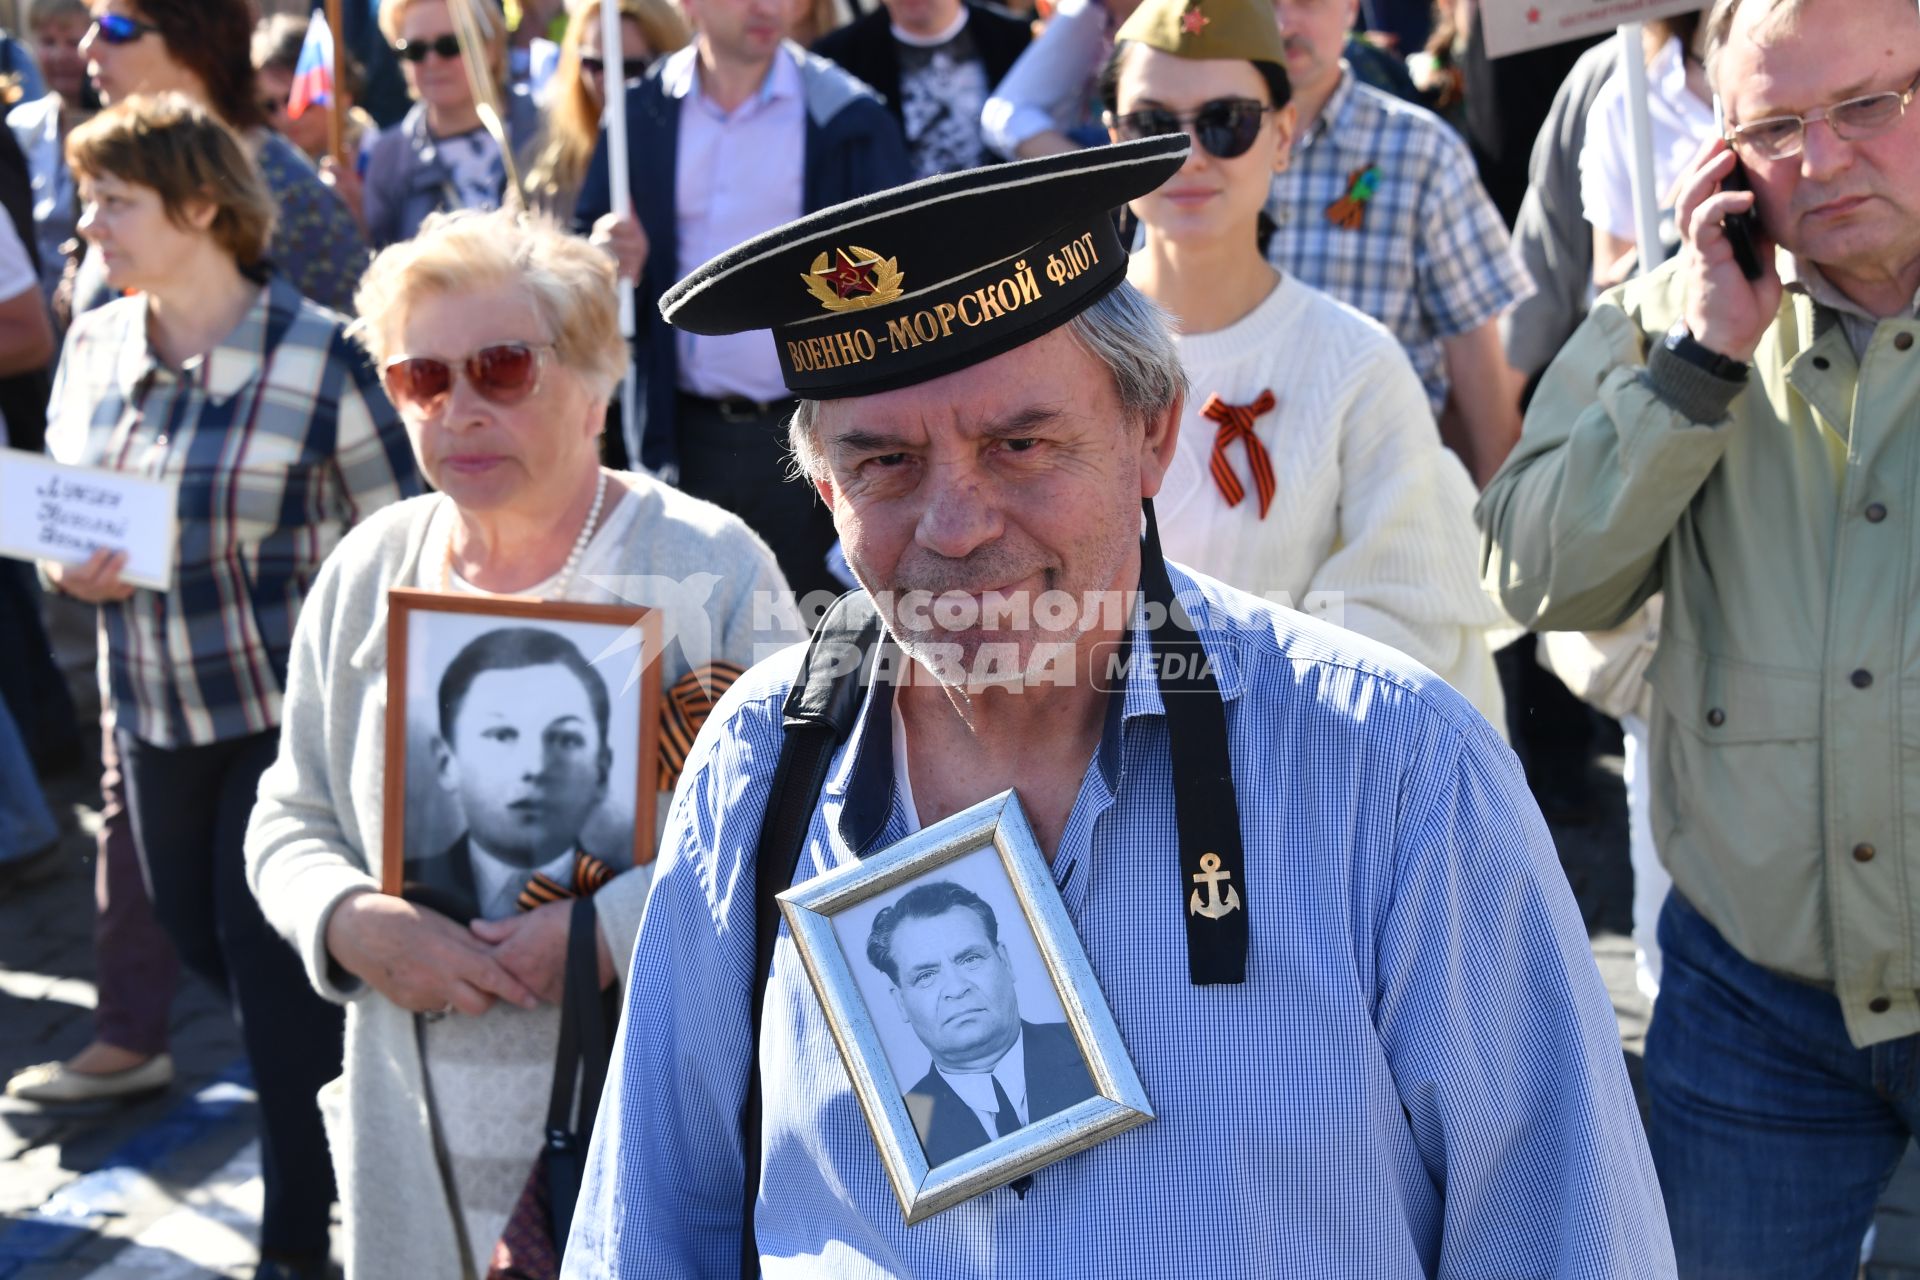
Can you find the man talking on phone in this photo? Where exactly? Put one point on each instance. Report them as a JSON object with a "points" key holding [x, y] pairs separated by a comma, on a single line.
{"points": [[1747, 441]]}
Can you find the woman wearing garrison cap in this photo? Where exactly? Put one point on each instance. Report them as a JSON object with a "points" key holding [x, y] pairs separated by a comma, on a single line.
{"points": [[1385, 1053], [1309, 469]]}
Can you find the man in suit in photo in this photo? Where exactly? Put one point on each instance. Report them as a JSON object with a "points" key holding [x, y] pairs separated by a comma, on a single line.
{"points": [[953, 982], [523, 743]]}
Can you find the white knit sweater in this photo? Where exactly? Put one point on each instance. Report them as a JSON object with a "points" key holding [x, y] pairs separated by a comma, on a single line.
{"points": [[1371, 525]]}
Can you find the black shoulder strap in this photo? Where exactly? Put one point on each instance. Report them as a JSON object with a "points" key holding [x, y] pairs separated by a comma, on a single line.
{"points": [[818, 715], [583, 1053]]}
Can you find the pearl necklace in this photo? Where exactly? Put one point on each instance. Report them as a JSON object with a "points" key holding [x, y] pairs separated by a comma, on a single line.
{"points": [[565, 578]]}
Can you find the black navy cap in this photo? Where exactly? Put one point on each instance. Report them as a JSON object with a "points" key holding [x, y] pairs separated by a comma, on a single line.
{"points": [[918, 281]]}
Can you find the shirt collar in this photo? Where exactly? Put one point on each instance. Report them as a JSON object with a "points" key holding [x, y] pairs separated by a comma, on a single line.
{"points": [[221, 373], [1801, 276], [1333, 115], [860, 795], [495, 878], [976, 1087], [681, 78]]}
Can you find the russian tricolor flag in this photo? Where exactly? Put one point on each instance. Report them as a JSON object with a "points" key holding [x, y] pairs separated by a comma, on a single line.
{"points": [[313, 75]]}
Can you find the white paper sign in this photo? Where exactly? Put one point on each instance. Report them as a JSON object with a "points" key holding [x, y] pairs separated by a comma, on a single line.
{"points": [[1514, 26], [51, 511]]}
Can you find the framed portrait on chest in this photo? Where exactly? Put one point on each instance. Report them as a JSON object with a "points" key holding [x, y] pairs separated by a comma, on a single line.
{"points": [[522, 743], [974, 1033]]}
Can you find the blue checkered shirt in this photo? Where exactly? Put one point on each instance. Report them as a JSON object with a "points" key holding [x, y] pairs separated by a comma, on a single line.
{"points": [[1431, 258], [280, 439], [1421, 1075]]}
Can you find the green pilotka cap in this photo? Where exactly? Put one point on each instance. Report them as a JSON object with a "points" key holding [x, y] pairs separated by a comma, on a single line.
{"points": [[1208, 29]]}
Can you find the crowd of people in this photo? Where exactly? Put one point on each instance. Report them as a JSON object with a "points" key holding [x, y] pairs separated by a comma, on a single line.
{"points": [[1335, 349]]}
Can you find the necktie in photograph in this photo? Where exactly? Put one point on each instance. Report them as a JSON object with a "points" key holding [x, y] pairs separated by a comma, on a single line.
{"points": [[1006, 1119]]}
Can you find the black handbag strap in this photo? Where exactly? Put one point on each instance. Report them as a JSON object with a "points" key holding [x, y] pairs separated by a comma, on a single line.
{"points": [[585, 1046], [585, 1049], [818, 715]]}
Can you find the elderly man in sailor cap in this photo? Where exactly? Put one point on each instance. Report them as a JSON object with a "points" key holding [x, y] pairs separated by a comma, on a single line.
{"points": [[1391, 1057]]}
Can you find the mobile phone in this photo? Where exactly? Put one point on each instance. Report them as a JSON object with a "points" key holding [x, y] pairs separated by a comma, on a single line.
{"points": [[1743, 227]]}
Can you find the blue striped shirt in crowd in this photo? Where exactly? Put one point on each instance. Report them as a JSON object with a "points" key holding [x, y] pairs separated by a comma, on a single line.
{"points": [[1421, 1075], [1428, 256], [280, 439]]}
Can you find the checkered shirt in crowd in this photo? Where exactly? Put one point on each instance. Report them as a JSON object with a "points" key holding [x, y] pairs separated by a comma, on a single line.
{"points": [[280, 439], [1420, 1076], [1427, 255]]}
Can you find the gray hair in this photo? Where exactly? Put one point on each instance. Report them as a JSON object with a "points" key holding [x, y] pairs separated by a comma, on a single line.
{"points": [[1720, 26], [1125, 330]]}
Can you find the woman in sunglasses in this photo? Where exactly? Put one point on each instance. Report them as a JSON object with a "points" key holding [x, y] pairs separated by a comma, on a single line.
{"points": [[203, 49], [649, 29], [223, 381], [498, 340], [440, 157], [1308, 466]]}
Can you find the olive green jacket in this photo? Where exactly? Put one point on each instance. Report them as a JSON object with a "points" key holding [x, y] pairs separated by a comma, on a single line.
{"points": [[1779, 520]]}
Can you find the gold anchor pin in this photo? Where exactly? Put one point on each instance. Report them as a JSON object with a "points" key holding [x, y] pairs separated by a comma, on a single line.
{"points": [[1211, 876]]}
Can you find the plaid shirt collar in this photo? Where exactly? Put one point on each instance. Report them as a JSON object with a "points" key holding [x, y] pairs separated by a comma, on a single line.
{"points": [[222, 373], [1336, 116]]}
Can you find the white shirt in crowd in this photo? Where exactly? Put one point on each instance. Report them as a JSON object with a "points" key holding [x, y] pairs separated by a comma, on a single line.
{"points": [[1682, 124], [16, 277]]}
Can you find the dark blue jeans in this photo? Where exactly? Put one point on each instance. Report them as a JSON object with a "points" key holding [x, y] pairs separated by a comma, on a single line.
{"points": [[190, 807], [1773, 1136]]}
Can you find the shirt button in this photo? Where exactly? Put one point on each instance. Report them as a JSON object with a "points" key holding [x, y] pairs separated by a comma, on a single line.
{"points": [[1863, 852], [1716, 717], [1876, 512], [1880, 1004], [1822, 363], [1861, 678], [1902, 341]]}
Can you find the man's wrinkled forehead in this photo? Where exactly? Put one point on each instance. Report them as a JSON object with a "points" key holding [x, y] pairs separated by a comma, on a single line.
{"points": [[1791, 56]]}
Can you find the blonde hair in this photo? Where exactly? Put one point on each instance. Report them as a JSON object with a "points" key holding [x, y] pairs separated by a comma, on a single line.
{"points": [[173, 145], [493, 26], [570, 284], [573, 118]]}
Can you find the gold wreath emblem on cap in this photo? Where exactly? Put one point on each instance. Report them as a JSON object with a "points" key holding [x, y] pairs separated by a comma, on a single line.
{"points": [[852, 281]]}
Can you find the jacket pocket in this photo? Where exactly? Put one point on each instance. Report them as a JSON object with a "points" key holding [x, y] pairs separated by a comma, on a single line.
{"points": [[1725, 701]]}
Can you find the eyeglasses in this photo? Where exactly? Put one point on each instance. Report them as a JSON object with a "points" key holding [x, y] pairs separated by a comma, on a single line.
{"points": [[1224, 127], [117, 28], [505, 374], [1782, 137], [630, 68], [447, 46]]}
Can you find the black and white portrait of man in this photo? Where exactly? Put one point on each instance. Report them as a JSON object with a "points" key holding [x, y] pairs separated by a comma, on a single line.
{"points": [[520, 761], [952, 978]]}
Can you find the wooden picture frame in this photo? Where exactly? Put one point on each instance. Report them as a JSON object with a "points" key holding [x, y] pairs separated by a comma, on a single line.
{"points": [[494, 636]]}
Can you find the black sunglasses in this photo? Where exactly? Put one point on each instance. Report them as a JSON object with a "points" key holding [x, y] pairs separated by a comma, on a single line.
{"points": [[1225, 127], [447, 46], [117, 28], [630, 68]]}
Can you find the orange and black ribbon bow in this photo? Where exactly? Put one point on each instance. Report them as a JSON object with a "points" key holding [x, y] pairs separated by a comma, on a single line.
{"points": [[688, 704], [1236, 423], [1350, 210], [589, 875]]}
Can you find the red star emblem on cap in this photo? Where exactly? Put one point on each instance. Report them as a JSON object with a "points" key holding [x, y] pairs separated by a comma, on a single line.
{"points": [[847, 276], [1193, 22]]}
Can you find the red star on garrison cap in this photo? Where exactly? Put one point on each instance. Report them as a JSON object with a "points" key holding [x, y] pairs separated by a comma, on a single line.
{"points": [[1193, 22]]}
